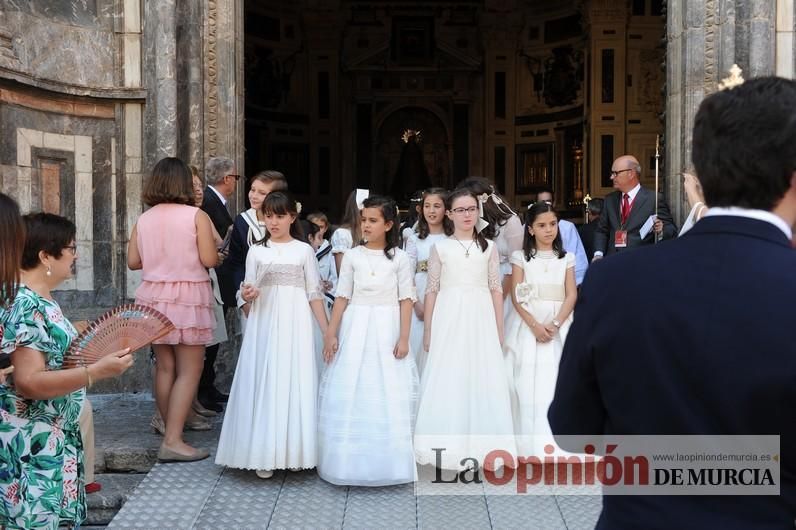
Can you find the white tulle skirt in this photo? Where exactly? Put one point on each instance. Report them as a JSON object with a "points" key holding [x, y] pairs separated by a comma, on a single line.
{"points": [[271, 417], [532, 368], [367, 401], [465, 404]]}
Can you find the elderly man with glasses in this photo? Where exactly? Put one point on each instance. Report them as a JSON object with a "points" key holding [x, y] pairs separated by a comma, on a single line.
{"points": [[222, 178], [627, 211]]}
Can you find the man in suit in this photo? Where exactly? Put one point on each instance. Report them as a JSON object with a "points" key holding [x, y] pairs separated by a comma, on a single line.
{"points": [[696, 336], [626, 210], [586, 231], [222, 178], [569, 238]]}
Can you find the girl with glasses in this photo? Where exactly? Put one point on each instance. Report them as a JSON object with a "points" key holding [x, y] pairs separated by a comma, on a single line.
{"points": [[464, 396]]}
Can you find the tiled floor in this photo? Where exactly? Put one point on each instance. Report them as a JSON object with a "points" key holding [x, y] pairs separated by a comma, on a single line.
{"points": [[204, 495]]}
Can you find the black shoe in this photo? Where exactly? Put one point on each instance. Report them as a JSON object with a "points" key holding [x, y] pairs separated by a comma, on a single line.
{"points": [[209, 404], [218, 396]]}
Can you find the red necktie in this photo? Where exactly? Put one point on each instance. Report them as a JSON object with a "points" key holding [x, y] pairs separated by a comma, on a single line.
{"points": [[625, 212]]}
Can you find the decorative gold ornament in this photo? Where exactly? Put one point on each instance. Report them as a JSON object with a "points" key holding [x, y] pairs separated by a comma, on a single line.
{"points": [[409, 133], [733, 80]]}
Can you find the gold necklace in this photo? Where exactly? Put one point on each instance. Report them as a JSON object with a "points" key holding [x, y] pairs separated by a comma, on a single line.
{"points": [[467, 248]]}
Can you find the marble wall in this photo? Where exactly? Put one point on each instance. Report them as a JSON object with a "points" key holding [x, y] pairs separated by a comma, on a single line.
{"points": [[67, 42]]}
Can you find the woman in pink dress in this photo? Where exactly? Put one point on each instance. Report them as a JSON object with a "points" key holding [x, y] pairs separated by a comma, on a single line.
{"points": [[172, 243]]}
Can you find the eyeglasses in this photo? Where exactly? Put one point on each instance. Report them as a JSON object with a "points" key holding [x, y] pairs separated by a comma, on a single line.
{"points": [[462, 211], [236, 177], [72, 249], [616, 173]]}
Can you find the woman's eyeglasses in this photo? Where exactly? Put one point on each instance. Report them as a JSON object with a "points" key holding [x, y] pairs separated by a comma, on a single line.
{"points": [[462, 211], [72, 249]]}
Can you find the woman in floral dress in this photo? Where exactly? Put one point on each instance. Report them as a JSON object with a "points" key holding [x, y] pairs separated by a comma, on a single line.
{"points": [[41, 453]]}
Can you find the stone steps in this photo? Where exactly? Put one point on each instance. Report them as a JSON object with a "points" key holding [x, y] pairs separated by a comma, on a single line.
{"points": [[116, 489]]}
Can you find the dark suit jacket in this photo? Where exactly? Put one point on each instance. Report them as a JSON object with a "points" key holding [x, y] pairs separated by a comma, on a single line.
{"points": [[586, 233], [238, 250], [692, 336], [222, 220], [643, 207]]}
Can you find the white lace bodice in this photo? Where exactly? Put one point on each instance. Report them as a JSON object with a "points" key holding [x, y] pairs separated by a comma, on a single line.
{"points": [[367, 277], [290, 264], [449, 266]]}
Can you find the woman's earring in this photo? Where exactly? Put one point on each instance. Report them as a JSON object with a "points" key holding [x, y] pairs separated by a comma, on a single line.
{"points": [[49, 272]]}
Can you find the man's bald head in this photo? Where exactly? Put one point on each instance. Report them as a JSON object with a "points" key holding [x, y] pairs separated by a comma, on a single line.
{"points": [[625, 172]]}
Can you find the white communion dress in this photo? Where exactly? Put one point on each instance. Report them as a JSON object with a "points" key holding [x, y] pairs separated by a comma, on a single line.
{"points": [[532, 365], [367, 397], [271, 418], [419, 250], [465, 405]]}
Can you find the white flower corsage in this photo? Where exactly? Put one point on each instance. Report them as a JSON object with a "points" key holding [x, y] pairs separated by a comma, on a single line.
{"points": [[526, 292], [298, 207]]}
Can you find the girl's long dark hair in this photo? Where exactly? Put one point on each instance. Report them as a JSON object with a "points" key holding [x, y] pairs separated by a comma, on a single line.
{"points": [[495, 215], [12, 244], [423, 230], [465, 192], [529, 241], [389, 210], [351, 218], [281, 203]]}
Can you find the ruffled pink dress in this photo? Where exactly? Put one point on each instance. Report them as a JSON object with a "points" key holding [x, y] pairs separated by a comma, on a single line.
{"points": [[174, 281]]}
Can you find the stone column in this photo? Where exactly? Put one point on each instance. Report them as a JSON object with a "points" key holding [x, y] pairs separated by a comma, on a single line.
{"points": [[704, 39], [190, 83], [785, 41], [160, 72]]}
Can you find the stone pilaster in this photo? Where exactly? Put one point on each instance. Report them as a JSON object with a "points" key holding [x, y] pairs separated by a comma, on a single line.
{"points": [[223, 84]]}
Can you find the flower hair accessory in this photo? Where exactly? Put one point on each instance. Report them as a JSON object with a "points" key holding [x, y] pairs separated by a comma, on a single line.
{"points": [[298, 207], [482, 223]]}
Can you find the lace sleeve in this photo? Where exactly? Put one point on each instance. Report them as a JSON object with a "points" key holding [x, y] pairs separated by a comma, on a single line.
{"points": [[411, 250], [312, 276], [345, 280], [494, 276], [341, 240], [406, 278], [434, 271]]}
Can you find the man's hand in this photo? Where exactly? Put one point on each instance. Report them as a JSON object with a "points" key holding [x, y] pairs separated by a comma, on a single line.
{"points": [[657, 227]]}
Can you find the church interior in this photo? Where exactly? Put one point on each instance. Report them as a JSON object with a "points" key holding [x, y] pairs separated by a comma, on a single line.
{"points": [[396, 96]]}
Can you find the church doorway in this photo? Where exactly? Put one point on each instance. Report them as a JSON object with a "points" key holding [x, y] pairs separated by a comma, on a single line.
{"points": [[394, 95]]}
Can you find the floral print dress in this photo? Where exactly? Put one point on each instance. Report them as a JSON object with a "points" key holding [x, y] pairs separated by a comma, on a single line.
{"points": [[41, 452]]}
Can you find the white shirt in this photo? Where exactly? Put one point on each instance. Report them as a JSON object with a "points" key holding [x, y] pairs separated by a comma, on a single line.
{"points": [[223, 199], [760, 215], [632, 193]]}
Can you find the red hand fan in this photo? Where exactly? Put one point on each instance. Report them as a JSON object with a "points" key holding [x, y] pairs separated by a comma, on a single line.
{"points": [[129, 326]]}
